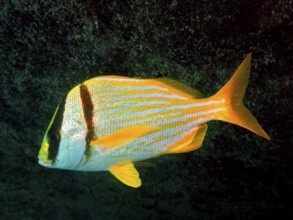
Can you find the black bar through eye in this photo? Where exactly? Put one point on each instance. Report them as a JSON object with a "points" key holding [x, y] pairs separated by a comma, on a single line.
{"points": [[54, 136]]}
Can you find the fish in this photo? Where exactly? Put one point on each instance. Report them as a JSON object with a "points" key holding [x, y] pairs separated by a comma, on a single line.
{"points": [[115, 123]]}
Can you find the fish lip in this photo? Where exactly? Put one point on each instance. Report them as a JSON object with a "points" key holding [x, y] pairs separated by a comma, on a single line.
{"points": [[44, 163]]}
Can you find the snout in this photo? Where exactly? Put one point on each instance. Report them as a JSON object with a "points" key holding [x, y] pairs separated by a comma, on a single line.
{"points": [[44, 163]]}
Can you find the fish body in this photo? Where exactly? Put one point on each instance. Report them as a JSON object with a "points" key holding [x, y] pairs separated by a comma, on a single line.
{"points": [[109, 123]]}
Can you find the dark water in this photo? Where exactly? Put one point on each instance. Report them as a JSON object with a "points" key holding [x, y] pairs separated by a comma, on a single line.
{"points": [[46, 48]]}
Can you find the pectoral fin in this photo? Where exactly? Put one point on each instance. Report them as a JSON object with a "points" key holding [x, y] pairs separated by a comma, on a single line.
{"points": [[126, 173], [121, 137], [190, 142]]}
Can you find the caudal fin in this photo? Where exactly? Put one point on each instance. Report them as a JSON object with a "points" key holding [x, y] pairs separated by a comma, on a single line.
{"points": [[233, 93]]}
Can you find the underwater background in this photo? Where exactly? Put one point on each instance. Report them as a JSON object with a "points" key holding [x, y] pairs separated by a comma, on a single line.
{"points": [[48, 47]]}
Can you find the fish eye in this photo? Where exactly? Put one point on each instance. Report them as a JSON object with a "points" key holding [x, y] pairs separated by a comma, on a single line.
{"points": [[54, 137]]}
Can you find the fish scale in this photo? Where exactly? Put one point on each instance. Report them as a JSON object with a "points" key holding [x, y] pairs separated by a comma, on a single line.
{"points": [[112, 123], [176, 127]]}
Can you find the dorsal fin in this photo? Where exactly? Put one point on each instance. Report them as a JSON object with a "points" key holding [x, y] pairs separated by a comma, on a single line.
{"points": [[180, 86]]}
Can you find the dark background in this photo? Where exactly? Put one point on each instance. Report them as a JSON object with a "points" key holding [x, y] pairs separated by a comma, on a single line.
{"points": [[47, 47]]}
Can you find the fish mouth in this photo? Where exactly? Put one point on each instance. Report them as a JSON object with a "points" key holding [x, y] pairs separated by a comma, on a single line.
{"points": [[43, 162]]}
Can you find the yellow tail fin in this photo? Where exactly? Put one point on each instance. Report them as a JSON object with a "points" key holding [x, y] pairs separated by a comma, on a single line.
{"points": [[233, 93]]}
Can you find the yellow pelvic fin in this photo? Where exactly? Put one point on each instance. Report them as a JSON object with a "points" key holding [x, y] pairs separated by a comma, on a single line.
{"points": [[126, 173], [190, 142], [233, 92], [121, 137]]}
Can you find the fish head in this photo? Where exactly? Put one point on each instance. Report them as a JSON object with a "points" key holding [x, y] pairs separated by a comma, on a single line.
{"points": [[64, 144], [67, 155]]}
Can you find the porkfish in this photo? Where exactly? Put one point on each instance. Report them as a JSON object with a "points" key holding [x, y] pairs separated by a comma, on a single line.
{"points": [[111, 123]]}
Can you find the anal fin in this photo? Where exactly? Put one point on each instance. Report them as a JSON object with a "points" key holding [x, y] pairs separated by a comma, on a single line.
{"points": [[190, 142]]}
